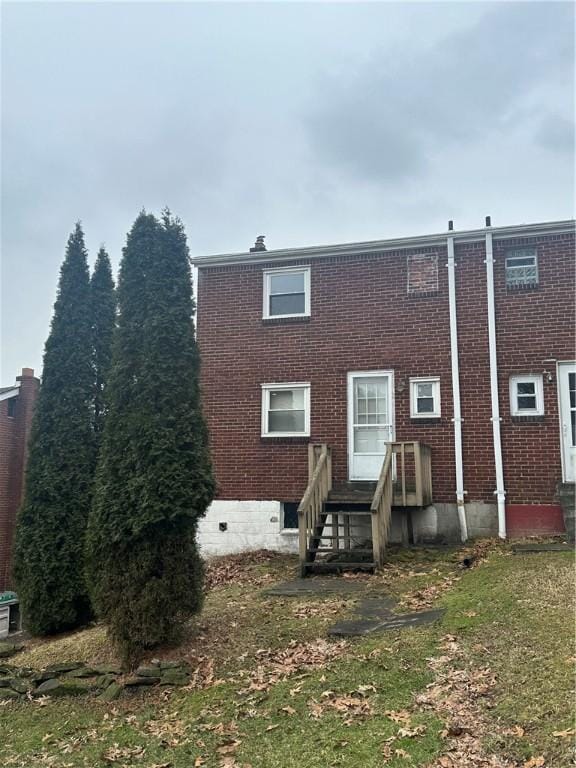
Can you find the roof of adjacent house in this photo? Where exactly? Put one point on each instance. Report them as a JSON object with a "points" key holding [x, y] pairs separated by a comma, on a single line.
{"points": [[8, 392], [371, 246]]}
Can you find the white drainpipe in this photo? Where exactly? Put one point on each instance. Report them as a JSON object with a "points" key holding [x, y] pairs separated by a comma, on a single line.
{"points": [[456, 392], [500, 493]]}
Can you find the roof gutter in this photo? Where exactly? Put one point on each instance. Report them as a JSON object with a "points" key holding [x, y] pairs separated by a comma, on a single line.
{"points": [[380, 246]]}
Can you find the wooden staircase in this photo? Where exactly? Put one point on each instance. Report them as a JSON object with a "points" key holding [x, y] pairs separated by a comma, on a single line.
{"points": [[348, 527]]}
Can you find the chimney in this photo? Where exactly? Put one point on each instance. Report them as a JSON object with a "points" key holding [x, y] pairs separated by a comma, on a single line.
{"points": [[27, 373], [259, 244]]}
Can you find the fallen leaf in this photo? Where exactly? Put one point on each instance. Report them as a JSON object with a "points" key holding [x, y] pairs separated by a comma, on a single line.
{"points": [[534, 762], [563, 734], [228, 747]]}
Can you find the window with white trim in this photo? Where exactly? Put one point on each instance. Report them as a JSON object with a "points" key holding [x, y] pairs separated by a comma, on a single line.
{"points": [[521, 267], [286, 292], [285, 410], [526, 395], [425, 397]]}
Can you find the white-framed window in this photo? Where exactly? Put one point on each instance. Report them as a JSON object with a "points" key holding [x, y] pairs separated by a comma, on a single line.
{"points": [[286, 292], [521, 267], [526, 395], [425, 397], [285, 410]]}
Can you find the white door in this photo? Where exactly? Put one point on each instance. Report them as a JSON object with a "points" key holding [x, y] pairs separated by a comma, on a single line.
{"points": [[567, 387], [370, 422]]}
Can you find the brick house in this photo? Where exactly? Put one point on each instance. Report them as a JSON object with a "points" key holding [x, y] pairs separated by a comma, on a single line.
{"points": [[457, 346], [16, 409]]}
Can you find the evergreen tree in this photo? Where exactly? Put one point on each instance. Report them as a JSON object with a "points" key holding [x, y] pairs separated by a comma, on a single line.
{"points": [[103, 320], [51, 524], [154, 478]]}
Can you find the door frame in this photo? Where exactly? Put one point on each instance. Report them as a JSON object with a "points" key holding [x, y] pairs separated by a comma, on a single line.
{"points": [[351, 375], [560, 363]]}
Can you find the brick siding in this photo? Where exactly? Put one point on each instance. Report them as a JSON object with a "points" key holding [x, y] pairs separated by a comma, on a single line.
{"points": [[364, 318], [14, 433]]}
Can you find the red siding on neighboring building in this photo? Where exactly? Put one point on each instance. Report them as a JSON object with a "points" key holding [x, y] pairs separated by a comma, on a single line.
{"points": [[14, 433], [364, 318]]}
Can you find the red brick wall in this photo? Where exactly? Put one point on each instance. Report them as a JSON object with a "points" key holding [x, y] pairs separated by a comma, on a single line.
{"points": [[363, 318], [14, 433]]}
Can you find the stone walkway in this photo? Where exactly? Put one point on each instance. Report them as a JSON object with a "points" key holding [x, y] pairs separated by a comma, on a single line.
{"points": [[371, 615], [375, 615]]}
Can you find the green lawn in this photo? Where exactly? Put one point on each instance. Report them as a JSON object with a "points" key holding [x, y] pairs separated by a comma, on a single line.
{"points": [[275, 694]]}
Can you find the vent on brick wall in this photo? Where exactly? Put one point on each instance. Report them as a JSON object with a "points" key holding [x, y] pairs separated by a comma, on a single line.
{"points": [[422, 273]]}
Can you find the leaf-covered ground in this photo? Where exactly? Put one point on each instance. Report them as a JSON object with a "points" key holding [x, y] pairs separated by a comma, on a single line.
{"points": [[490, 685]]}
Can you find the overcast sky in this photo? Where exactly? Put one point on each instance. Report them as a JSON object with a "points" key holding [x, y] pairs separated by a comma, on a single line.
{"points": [[309, 123]]}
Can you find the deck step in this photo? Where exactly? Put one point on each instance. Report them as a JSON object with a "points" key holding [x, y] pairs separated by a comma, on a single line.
{"points": [[339, 566], [331, 551], [349, 497], [349, 512], [336, 536]]}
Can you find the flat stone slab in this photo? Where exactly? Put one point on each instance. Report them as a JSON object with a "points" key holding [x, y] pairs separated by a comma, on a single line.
{"points": [[354, 628], [361, 627], [375, 607], [315, 586], [519, 549]]}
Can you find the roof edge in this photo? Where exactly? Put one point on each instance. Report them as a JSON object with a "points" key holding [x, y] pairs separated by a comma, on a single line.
{"points": [[7, 392], [371, 246]]}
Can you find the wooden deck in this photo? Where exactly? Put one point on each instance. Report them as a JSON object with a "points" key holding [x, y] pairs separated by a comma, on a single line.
{"points": [[349, 527]]}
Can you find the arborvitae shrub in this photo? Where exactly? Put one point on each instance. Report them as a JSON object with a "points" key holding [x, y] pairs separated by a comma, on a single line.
{"points": [[154, 478], [51, 525], [102, 320]]}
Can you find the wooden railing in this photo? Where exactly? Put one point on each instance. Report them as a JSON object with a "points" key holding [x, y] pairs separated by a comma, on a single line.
{"points": [[381, 508], [413, 485], [411, 463], [319, 486]]}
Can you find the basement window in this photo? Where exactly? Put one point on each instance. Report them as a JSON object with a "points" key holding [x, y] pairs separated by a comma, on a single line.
{"points": [[425, 398], [290, 515], [521, 268], [526, 395], [286, 293], [285, 410]]}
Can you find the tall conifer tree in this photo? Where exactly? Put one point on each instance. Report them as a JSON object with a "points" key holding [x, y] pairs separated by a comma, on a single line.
{"points": [[103, 320], [154, 478], [52, 522]]}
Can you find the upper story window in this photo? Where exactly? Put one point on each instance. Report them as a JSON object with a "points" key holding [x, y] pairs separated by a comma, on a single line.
{"points": [[526, 395], [285, 410], [287, 292], [11, 409], [425, 398], [521, 267]]}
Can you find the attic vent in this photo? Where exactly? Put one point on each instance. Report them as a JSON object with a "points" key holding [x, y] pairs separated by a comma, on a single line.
{"points": [[422, 274]]}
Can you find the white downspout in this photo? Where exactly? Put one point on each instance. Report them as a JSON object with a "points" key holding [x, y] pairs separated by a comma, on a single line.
{"points": [[457, 420], [500, 493]]}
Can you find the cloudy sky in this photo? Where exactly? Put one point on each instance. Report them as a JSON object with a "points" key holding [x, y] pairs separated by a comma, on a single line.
{"points": [[309, 123]]}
